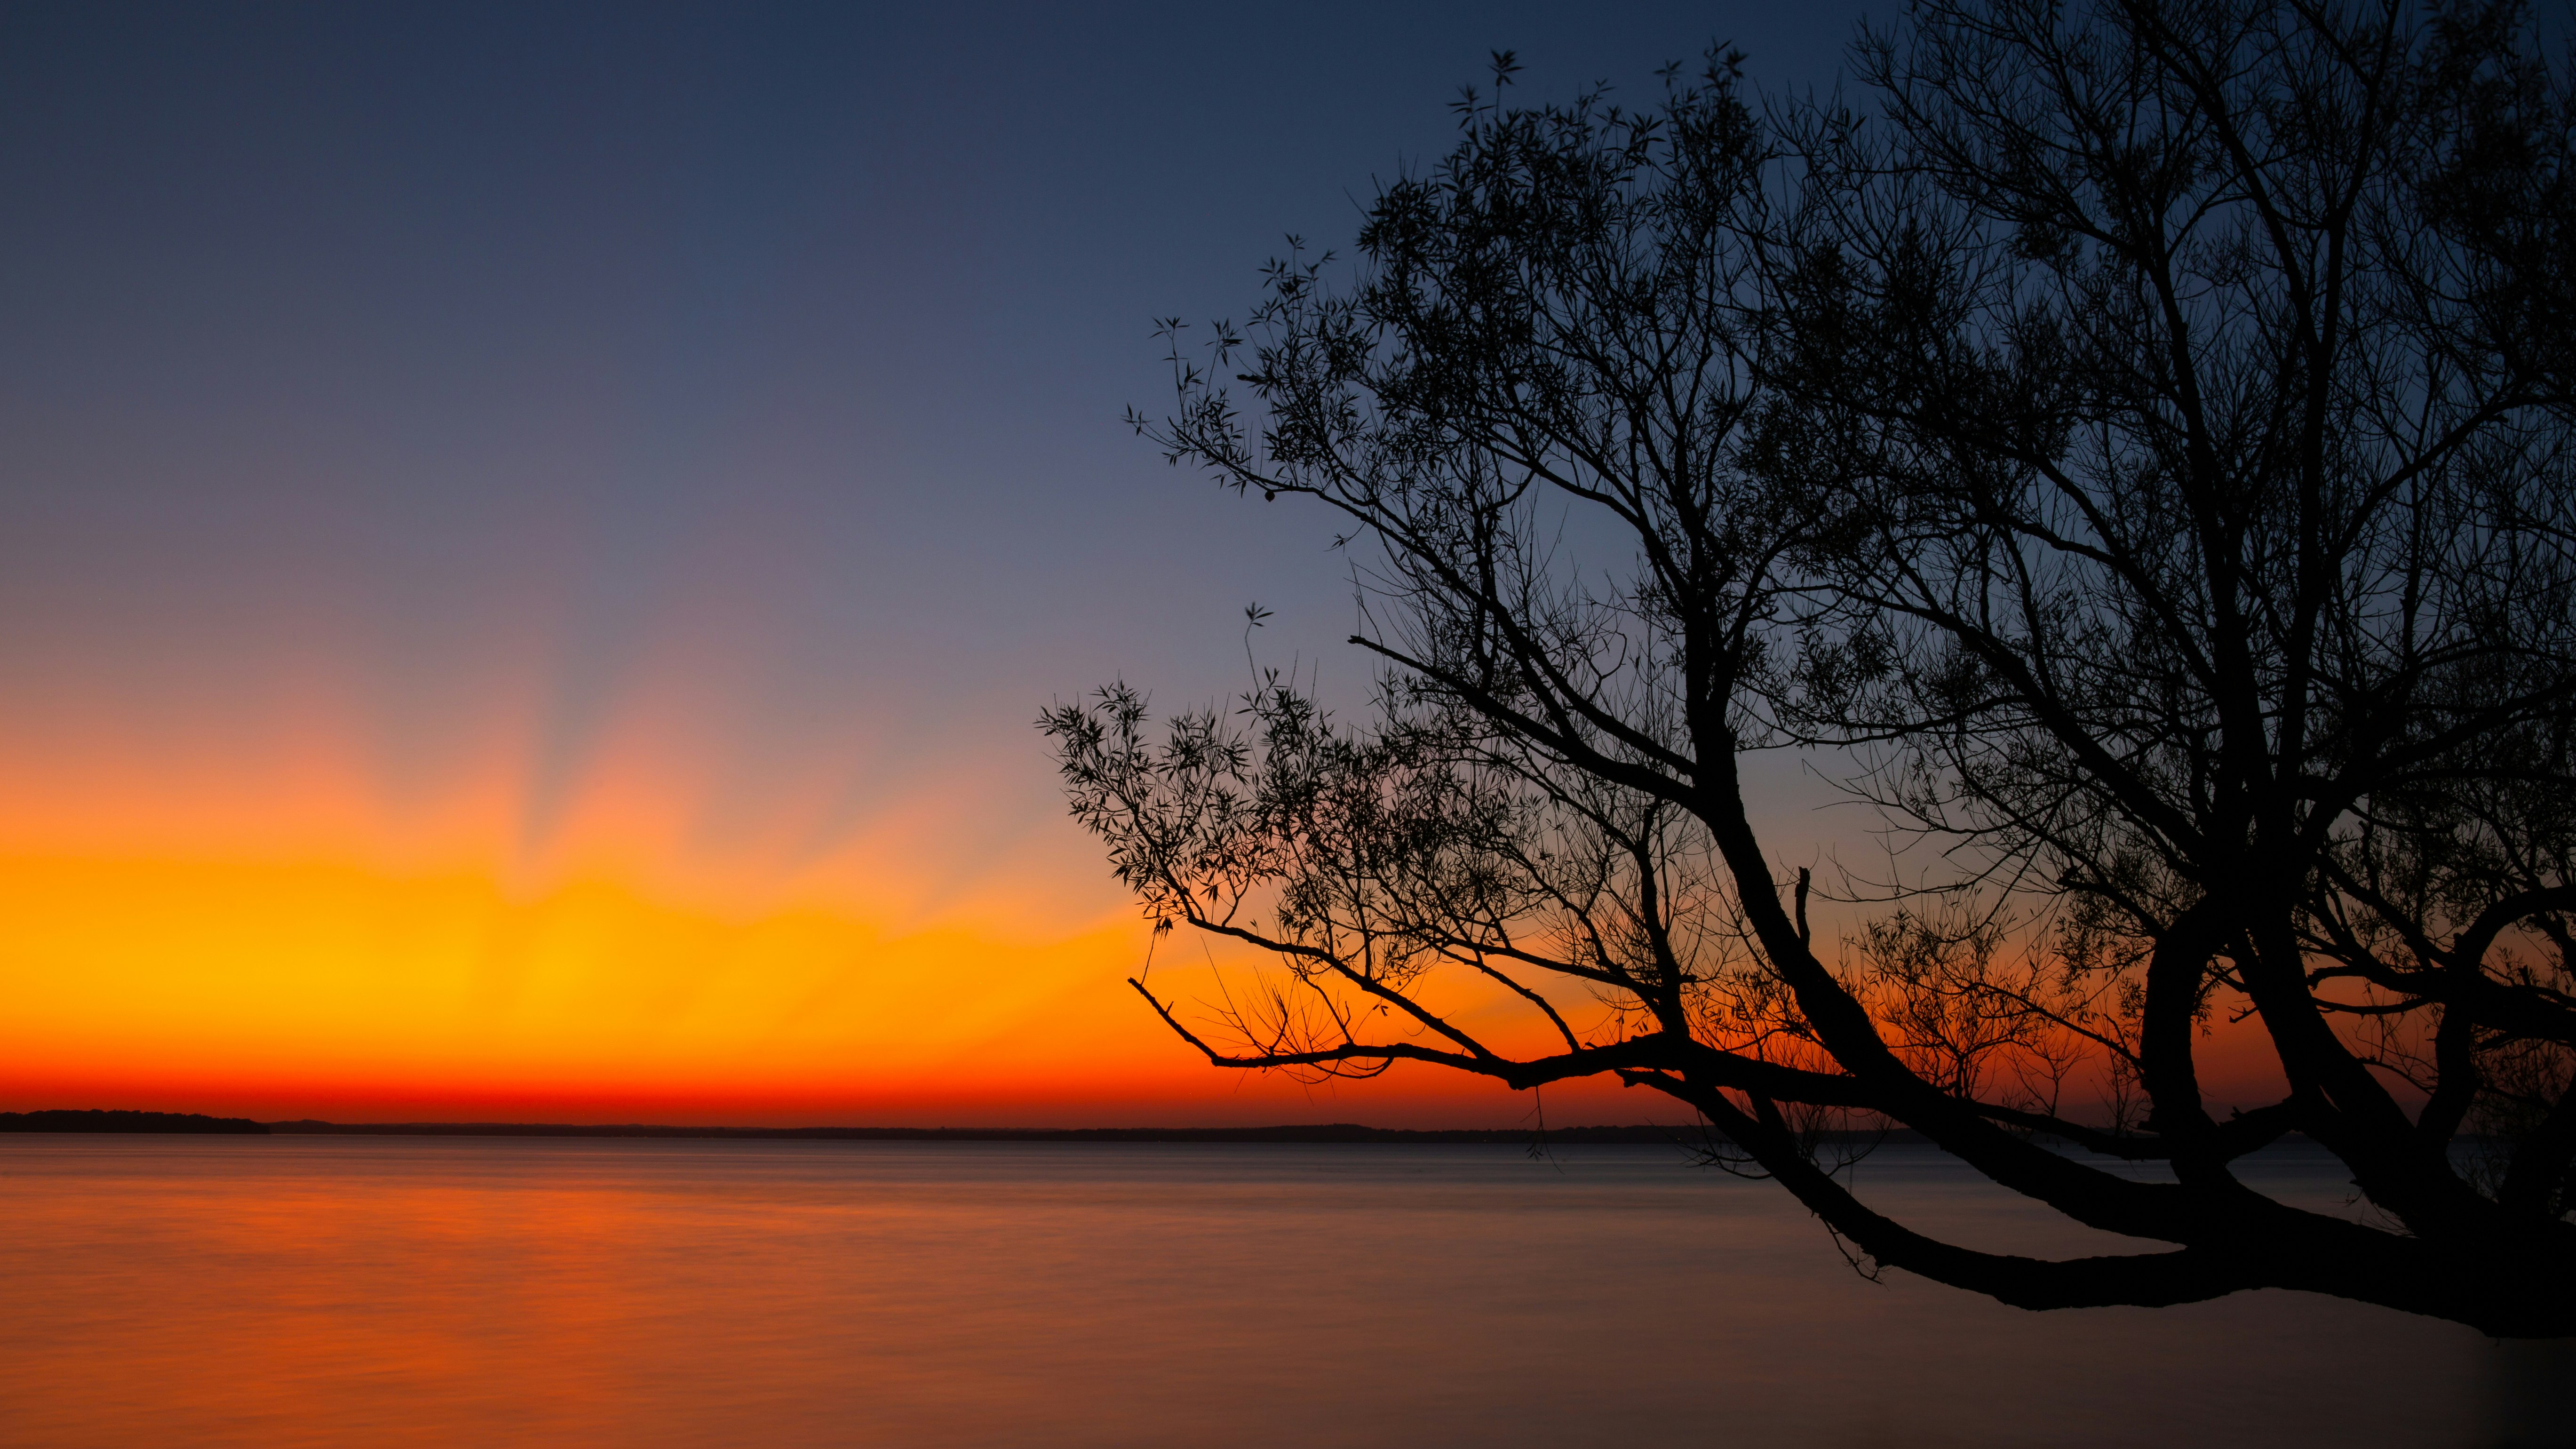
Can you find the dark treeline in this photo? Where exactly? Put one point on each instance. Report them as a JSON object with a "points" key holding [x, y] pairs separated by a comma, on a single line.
{"points": [[194, 1123], [1692, 1137], [98, 1121], [1320, 1132]]}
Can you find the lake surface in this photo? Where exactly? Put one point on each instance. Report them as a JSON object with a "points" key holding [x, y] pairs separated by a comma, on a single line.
{"points": [[352, 1290]]}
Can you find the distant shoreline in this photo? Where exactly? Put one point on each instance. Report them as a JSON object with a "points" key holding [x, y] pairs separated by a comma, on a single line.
{"points": [[1639, 1135], [189, 1123], [193, 1124]]}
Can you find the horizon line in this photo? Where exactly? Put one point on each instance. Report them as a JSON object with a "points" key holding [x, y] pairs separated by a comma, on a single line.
{"points": [[131, 1121]]}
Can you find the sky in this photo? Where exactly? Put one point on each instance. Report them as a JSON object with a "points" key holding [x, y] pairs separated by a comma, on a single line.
{"points": [[532, 537]]}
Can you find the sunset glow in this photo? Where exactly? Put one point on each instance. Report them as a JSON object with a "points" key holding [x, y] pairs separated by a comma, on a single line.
{"points": [[553, 634], [283, 933]]}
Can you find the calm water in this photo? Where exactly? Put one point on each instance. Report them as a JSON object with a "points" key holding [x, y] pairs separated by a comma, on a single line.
{"points": [[526, 1291]]}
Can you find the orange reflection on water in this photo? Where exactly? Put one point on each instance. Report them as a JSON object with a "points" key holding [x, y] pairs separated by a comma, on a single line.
{"points": [[287, 1291]]}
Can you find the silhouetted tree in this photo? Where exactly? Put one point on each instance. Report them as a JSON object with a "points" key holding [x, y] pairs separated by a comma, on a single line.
{"points": [[2140, 440]]}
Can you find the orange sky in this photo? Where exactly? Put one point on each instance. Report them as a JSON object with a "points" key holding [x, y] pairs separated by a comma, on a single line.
{"points": [[278, 879], [526, 568], [256, 923], [252, 922]]}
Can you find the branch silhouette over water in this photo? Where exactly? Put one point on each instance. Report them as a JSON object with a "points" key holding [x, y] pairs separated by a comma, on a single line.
{"points": [[2130, 450]]}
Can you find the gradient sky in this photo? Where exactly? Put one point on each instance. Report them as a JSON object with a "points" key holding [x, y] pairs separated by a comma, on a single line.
{"points": [[531, 537]]}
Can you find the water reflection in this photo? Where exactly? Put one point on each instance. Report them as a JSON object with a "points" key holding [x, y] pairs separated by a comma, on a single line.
{"points": [[389, 1291]]}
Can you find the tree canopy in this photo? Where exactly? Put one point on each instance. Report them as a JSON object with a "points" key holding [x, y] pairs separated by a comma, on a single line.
{"points": [[2137, 437]]}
